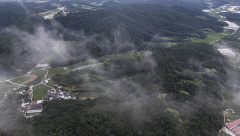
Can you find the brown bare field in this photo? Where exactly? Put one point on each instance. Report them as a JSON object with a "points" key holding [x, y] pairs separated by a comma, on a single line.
{"points": [[32, 78]]}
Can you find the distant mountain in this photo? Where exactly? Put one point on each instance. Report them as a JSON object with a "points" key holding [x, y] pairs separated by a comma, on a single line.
{"points": [[142, 21], [13, 14], [14, 58]]}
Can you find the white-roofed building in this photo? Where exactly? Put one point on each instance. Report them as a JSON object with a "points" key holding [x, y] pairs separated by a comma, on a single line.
{"points": [[42, 65]]}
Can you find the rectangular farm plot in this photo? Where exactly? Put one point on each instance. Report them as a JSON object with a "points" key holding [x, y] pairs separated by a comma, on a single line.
{"points": [[20, 79], [39, 91]]}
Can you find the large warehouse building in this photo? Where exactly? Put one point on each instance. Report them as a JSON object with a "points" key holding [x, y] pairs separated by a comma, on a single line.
{"points": [[234, 127]]}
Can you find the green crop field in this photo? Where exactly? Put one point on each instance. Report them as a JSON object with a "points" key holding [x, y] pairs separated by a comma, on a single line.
{"points": [[39, 91], [131, 54], [127, 55], [37, 69], [210, 38], [54, 71], [20, 79], [80, 64]]}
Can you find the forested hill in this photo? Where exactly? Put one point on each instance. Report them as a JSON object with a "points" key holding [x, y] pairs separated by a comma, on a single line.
{"points": [[13, 14], [142, 21], [201, 3], [129, 67], [134, 104], [135, 22], [14, 55]]}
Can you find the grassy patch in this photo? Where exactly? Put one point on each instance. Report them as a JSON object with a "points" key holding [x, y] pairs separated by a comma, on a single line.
{"points": [[127, 55], [80, 64], [184, 92], [86, 7], [223, 134], [131, 54], [50, 14], [20, 79], [75, 5], [211, 38], [214, 13], [54, 71], [173, 111], [93, 87], [37, 69], [40, 74], [228, 100], [232, 117], [229, 104], [39, 91], [47, 12]]}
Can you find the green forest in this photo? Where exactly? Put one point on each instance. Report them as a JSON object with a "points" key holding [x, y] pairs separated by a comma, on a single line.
{"points": [[150, 78]]}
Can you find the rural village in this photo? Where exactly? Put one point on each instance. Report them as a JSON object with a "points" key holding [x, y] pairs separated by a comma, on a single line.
{"points": [[33, 96], [36, 86]]}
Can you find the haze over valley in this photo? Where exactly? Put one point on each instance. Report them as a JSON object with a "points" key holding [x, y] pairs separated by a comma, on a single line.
{"points": [[119, 67]]}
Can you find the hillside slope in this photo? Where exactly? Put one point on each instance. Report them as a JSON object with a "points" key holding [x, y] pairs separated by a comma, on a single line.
{"points": [[142, 21]]}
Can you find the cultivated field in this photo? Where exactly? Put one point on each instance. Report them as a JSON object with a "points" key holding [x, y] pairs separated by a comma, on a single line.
{"points": [[211, 38], [39, 91]]}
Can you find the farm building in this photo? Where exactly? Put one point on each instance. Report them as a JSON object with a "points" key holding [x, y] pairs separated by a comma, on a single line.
{"points": [[35, 107], [233, 127], [42, 65]]}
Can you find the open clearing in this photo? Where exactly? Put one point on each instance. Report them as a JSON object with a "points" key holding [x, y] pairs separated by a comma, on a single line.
{"points": [[31, 78], [211, 38], [21, 79], [39, 91], [107, 58], [25, 79], [40, 75]]}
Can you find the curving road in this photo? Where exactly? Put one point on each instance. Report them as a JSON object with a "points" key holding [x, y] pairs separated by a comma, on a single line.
{"points": [[21, 85]]}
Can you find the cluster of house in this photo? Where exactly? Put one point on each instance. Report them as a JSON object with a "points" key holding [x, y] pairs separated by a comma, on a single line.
{"points": [[233, 128], [59, 94], [33, 107], [29, 107], [230, 111], [42, 65], [24, 92]]}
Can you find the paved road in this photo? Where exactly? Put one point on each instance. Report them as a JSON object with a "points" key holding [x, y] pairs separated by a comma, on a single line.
{"points": [[16, 83], [88, 66]]}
